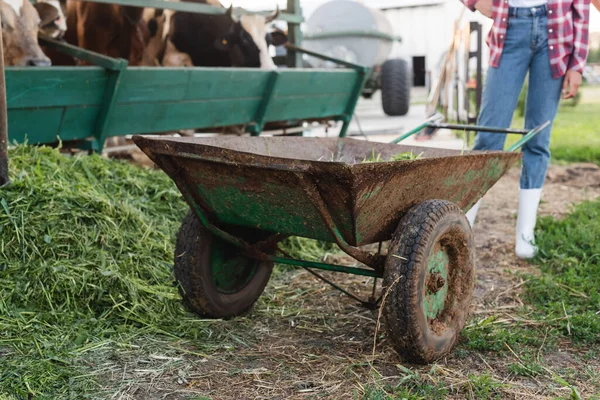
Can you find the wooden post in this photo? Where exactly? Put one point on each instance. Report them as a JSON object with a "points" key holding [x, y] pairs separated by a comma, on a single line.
{"points": [[4, 180], [294, 34]]}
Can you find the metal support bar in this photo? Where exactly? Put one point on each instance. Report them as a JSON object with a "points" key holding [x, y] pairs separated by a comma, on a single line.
{"points": [[353, 34], [356, 91], [195, 7], [4, 179], [371, 304], [375, 261], [478, 128], [326, 58], [417, 129], [259, 119], [294, 59], [108, 103], [529, 136], [100, 60], [327, 267]]}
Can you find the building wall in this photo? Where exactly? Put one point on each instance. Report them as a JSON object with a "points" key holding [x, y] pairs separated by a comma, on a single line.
{"points": [[426, 28]]}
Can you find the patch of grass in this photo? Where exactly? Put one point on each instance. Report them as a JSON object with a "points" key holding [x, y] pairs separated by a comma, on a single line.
{"points": [[576, 130], [567, 294], [526, 368], [489, 335], [483, 387]]}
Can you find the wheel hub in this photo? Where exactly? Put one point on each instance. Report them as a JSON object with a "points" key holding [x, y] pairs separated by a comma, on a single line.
{"points": [[436, 284]]}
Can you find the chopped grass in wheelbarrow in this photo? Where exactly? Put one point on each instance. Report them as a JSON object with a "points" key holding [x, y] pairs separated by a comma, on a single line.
{"points": [[86, 255], [406, 156]]}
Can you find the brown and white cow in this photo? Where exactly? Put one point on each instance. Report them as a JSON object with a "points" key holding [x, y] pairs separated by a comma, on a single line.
{"points": [[113, 30], [20, 27]]}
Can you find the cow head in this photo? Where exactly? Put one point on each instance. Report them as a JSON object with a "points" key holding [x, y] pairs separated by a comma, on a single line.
{"points": [[249, 37], [160, 50], [52, 18], [20, 26]]}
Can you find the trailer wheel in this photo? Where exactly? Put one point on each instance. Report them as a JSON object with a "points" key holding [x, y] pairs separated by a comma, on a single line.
{"points": [[429, 278], [215, 279], [395, 87]]}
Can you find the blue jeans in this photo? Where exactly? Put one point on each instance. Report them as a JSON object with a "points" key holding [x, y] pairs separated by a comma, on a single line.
{"points": [[525, 50]]}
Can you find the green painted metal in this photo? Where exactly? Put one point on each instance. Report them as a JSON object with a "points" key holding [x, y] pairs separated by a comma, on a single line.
{"points": [[353, 34], [528, 137], [327, 267], [82, 54], [433, 303], [45, 104], [195, 7], [259, 119], [255, 183], [418, 128], [108, 104]]}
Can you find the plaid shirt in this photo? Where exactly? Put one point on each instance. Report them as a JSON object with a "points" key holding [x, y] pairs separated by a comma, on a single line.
{"points": [[568, 22]]}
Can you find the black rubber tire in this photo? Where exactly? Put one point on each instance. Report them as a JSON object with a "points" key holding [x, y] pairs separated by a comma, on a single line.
{"points": [[429, 228], [395, 87], [192, 270]]}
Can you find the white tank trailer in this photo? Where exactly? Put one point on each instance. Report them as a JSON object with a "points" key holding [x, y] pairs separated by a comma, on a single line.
{"points": [[351, 31]]}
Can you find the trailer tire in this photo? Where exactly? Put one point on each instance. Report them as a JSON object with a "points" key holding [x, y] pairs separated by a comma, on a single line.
{"points": [[428, 281], [198, 256], [395, 87]]}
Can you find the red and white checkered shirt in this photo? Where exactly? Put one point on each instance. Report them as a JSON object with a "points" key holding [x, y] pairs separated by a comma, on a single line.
{"points": [[568, 22]]}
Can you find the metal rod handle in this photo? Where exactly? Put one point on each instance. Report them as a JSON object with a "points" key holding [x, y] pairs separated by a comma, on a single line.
{"points": [[529, 136], [417, 129], [479, 128]]}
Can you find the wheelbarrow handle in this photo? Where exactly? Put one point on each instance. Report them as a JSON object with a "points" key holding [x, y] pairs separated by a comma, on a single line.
{"points": [[528, 137], [436, 118]]}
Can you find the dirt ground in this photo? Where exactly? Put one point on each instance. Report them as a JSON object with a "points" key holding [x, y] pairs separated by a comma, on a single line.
{"points": [[306, 340]]}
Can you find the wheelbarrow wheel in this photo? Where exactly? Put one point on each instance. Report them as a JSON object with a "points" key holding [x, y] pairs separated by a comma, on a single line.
{"points": [[429, 278], [215, 279]]}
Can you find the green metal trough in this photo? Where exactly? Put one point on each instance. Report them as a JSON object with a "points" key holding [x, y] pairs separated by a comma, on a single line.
{"points": [[90, 104], [77, 103]]}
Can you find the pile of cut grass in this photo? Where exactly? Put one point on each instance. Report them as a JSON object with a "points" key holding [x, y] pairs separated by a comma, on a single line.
{"points": [[406, 156], [86, 248]]}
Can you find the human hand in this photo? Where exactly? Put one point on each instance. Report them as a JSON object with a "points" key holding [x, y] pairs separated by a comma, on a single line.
{"points": [[571, 84], [485, 7]]}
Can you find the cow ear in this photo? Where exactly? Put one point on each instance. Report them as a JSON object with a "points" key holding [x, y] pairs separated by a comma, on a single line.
{"points": [[278, 38], [48, 13], [230, 11]]}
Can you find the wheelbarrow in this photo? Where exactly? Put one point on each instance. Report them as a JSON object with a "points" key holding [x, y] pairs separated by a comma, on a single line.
{"points": [[247, 194]]}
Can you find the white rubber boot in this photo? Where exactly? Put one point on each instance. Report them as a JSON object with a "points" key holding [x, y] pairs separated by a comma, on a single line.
{"points": [[472, 213], [529, 200]]}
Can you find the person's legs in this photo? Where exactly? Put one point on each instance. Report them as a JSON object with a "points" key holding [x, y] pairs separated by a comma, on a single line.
{"points": [[502, 89], [542, 103]]}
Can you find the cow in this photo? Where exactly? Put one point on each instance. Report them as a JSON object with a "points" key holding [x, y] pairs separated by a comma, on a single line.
{"points": [[20, 27], [159, 49], [218, 40], [113, 30]]}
